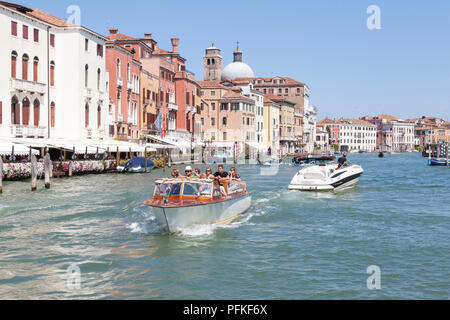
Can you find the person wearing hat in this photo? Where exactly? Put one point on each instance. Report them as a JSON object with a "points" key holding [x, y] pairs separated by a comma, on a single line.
{"points": [[188, 172]]}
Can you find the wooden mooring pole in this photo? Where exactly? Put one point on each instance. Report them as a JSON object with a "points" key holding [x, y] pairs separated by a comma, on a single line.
{"points": [[33, 173], [48, 170], [1, 175], [70, 169], [446, 156], [145, 159]]}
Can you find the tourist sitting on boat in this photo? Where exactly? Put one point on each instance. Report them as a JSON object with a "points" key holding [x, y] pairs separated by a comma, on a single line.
{"points": [[197, 173], [175, 174], [209, 174], [234, 176], [342, 161], [221, 173], [188, 171], [218, 186]]}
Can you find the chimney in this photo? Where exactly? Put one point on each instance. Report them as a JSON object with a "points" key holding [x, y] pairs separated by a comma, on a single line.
{"points": [[148, 36], [175, 42], [113, 33]]}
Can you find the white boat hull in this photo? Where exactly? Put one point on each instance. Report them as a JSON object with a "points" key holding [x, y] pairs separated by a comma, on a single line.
{"points": [[326, 178], [222, 212]]}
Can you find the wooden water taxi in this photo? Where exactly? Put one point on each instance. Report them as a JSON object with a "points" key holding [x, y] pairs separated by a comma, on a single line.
{"points": [[182, 203]]}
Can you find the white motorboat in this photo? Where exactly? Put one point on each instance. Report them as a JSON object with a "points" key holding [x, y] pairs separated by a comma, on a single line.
{"points": [[179, 203], [326, 177]]}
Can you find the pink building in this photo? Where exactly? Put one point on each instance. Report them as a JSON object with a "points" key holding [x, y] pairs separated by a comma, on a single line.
{"points": [[124, 90]]}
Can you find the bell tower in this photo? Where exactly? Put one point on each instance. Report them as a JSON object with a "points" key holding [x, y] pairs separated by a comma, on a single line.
{"points": [[212, 64]]}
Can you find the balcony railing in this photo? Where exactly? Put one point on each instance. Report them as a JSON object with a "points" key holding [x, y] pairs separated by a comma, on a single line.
{"points": [[30, 86], [151, 128], [120, 117], [188, 108], [119, 82], [173, 106], [129, 85], [148, 101], [88, 92], [89, 133], [22, 131]]}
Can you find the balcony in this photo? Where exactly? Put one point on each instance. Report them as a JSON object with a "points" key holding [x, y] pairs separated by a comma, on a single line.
{"points": [[30, 86], [188, 108], [151, 128], [88, 92], [21, 131], [172, 106], [89, 133], [119, 82], [120, 117], [148, 102], [130, 85]]}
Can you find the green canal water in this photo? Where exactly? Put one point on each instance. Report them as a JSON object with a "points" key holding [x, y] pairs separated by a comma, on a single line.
{"points": [[289, 245]]}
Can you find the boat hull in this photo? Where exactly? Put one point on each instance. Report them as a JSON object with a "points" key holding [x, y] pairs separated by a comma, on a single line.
{"points": [[215, 213], [340, 180], [437, 162]]}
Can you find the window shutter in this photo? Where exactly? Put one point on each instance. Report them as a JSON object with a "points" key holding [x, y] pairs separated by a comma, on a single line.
{"points": [[13, 66], [14, 28], [36, 114], [25, 113], [25, 32], [36, 35]]}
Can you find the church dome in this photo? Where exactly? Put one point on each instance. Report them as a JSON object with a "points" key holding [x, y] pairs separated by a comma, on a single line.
{"points": [[237, 70]]}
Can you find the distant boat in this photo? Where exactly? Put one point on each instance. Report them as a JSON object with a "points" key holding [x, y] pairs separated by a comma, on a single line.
{"points": [[136, 165], [381, 155], [437, 162]]}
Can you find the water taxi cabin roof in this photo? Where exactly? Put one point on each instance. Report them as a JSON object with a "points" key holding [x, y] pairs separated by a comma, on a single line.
{"points": [[165, 181]]}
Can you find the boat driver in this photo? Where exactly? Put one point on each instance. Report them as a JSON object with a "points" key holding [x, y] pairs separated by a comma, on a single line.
{"points": [[342, 161]]}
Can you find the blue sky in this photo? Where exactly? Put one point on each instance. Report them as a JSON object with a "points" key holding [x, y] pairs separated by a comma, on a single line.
{"points": [[402, 69]]}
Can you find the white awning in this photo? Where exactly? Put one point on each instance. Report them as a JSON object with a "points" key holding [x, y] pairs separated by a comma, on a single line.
{"points": [[81, 145], [156, 146], [6, 149], [215, 144], [256, 145]]}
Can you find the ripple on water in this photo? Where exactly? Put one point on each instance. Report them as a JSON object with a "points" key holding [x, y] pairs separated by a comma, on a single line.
{"points": [[289, 245]]}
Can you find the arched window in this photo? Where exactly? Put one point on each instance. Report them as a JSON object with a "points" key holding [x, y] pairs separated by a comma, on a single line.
{"points": [[25, 111], [86, 115], [35, 69], [52, 114], [118, 68], [128, 72], [15, 111], [99, 117], [13, 64], [86, 76], [98, 78], [52, 73], [36, 106], [25, 67]]}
